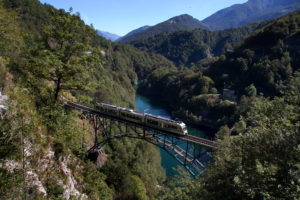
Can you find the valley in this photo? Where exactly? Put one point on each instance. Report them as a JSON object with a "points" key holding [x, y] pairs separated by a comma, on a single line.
{"points": [[235, 80]]}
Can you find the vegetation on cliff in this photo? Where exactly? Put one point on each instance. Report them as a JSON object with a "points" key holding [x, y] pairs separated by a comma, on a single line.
{"points": [[49, 53]]}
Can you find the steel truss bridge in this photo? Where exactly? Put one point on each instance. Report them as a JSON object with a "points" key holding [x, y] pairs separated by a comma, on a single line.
{"points": [[192, 152]]}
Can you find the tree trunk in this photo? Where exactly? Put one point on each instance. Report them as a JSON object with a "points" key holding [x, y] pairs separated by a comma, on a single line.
{"points": [[57, 90]]}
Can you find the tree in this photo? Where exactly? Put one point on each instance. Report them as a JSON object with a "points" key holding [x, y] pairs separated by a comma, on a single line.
{"points": [[20, 123], [3, 73], [262, 162], [223, 133], [67, 55], [251, 91], [10, 33]]}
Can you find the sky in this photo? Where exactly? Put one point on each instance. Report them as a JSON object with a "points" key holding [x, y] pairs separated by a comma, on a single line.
{"points": [[123, 16]]}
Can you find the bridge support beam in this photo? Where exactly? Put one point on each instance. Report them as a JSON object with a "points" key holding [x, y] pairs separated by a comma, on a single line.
{"points": [[191, 155]]}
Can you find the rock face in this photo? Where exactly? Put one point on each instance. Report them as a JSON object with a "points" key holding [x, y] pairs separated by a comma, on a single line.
{"points": [[70, 182], [3, 98], [35, 178], [251, 11]]}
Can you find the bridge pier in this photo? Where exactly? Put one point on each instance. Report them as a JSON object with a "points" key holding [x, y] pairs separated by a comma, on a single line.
{"points": [[186, 152]]}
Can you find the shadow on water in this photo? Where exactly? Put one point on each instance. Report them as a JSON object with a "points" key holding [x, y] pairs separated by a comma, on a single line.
{"points": [[147, 105]]}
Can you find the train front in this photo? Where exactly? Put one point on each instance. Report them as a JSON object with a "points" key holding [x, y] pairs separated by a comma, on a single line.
{"points": [[184, 128]]}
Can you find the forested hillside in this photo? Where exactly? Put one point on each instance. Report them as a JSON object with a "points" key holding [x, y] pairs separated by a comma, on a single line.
{"points": [[257, 67], [47, 54], [137, 31], [260, 162], [188, 48], [250, 93], [258, 156], [181, 22]]}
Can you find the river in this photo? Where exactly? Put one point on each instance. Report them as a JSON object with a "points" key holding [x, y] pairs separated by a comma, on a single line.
{"points": [[147, 105]]}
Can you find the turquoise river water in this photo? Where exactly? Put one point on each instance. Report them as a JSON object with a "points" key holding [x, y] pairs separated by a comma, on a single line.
{"points": [[146, 105]]}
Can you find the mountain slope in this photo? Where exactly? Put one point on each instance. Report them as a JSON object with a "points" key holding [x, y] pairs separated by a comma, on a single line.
{"points": [[143, 28], [36, 40], [188, 47], [265, 59], [260, 65], [108, 36], [182, 22], [251, 11]]}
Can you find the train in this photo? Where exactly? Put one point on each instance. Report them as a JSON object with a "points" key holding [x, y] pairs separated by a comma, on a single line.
{"points": [[157, 122]]}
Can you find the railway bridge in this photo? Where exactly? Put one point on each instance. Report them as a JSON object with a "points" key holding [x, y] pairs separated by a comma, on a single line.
{"points": [[192, 152]]}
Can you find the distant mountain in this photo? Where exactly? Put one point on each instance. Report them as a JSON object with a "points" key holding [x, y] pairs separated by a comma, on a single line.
{"points": [[108, 36], [143, 28], [190, 47], [251, 11], [182, 22]]}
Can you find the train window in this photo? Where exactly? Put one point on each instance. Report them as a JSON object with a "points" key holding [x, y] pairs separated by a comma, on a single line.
{"points": [[111, 110], [152, 122], [131, 116], [170, 126]]}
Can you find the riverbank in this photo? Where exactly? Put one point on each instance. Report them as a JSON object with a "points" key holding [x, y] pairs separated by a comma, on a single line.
{"points": [[175, 113]]}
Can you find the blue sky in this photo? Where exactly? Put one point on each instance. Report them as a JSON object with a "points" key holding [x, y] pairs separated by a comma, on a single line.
{"points": [[122, 16]]}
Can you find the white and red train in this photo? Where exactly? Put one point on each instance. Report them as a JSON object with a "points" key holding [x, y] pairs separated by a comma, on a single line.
{"points": [[160, 123]]}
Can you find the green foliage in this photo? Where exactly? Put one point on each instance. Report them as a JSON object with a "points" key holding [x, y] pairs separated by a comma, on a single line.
{"points": [[190, 47], [182, 186], [95, 185], [270, 169], [240, 126], [181, 22], [67, 57], [138, 189], [223, 133], [54, 190], [251, 91], [10, 183], [256, 67], [133, 157], [64, 57], [32, 13], [188, 90], [61, 53], [10, 33], [265, 59], [262, 160], [21, 122], [3, 73]]}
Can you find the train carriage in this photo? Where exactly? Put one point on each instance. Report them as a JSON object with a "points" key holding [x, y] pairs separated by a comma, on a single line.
{"points": [[171, 126], [108, 109], [153, 121], [131, 115], [174, 127], [160, 123]]}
